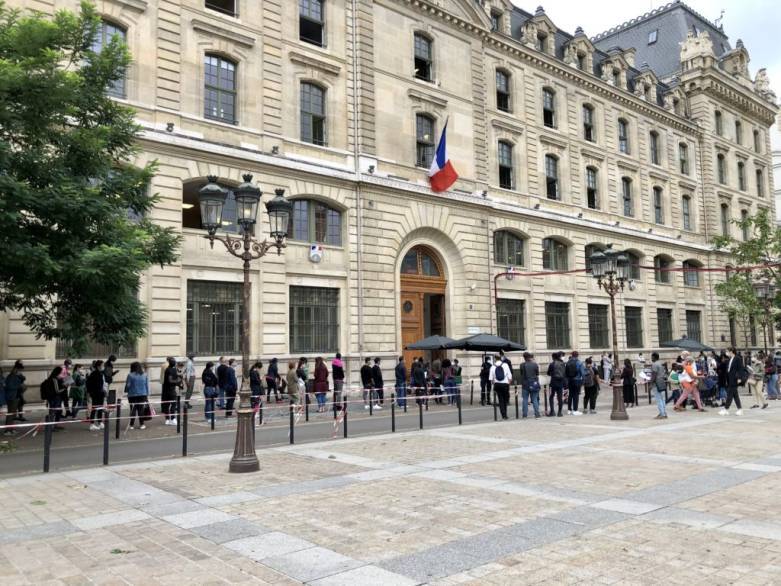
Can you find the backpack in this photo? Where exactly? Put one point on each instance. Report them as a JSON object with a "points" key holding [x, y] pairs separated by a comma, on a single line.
{"points": [[44, 393], [499, 373], [558, 369], [571, 370], [588, 380]]}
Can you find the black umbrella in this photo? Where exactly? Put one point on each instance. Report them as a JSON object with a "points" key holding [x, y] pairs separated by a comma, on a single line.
{"points": [[485, 343], [431, 343], [687, 344]]}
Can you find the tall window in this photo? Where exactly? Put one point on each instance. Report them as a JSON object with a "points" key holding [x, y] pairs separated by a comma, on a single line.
{"points": [[313, 221], [757, 142], [744, 225], [634, 265], [106, 32], [549, 108], [219, 89], [311, 21], [508, 249], [424, 140], [626, 194], [724, 219], [551, 177], [760, 183], [623, 136], [738, 132], [592, 191], [653, 147], [661, 266], [554, 255], [496, 20], [634, 327], [224, 6], [693, 325], [589, 132], [509, 320], [313, 114], [691, 278], [719, 123], [557, 324], [213, 317], [752, 329], [658, 207], [314, 320], [741, 176], [505, 156], [502, 91], [423, 57], [686, 204], [597, 326], [721, 166], [683, 158], [664, 324]]}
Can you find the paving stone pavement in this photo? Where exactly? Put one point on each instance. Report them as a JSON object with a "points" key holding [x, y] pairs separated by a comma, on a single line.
{"points": [[574, 500]]}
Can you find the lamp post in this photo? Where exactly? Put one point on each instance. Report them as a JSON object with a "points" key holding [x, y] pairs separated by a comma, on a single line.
{"points": [[212, 200], [766, 293], [611, 270]]}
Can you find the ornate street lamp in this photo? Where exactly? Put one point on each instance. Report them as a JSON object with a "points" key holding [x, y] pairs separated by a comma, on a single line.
{"points": [[611, 269], [766, 293], [212, 199]]}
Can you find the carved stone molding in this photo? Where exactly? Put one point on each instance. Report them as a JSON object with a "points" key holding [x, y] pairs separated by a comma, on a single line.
{"points": [[421, 97], [219, 30], [310, 61], [136, 5]]}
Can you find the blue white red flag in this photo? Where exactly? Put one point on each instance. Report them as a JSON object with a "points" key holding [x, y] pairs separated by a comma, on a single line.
{"points": [[441, 175]]}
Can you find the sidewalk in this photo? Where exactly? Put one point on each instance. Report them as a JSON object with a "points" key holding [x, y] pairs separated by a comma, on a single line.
{"points": [[561, 501]]}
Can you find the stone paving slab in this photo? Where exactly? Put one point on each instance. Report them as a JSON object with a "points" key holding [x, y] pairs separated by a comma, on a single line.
{"points": [[366, 575]]}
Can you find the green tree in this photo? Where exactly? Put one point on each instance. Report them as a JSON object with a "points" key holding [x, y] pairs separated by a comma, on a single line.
{"points": [[74, 234]]}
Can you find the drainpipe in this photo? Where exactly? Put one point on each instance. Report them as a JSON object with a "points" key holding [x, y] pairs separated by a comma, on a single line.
{"points": [[357, 172]]}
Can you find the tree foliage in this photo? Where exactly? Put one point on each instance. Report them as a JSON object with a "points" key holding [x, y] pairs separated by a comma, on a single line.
{"points": [[74, 234]]}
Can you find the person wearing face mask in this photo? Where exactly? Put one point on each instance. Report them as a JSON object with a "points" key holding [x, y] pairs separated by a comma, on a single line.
{"points": [[97, 394], [736, 377], [78, 391], [168, 396]]}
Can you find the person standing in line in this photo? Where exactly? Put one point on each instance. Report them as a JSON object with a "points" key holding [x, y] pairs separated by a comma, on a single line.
{"points": [[735, 378], [530, 384], [320, 384], [628, 383], [222, 377], [377, 383], [574, 373], [96, 389], [50, 392], [607, 367], [189, 378], [436, 377], [78, 391], [337, 372], [501, 377], [590, 387], [273, 380], [109, 372], [66, 380], [231, 388], [506, 360], [303, 375], [457, 375], [137, 391], [556, 374], [659, 381], [168, 395], [293, 388], [756, 382], [418, 380], [210, 390], [367, 383], [401, 382], [485, 382], [256, 385], [449, 381]]}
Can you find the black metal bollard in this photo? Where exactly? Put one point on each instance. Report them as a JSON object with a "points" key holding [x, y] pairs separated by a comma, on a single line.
{"points": [[545, 397], [496, 414], [47, 443], [185, 413], [306, 407], [420, 414], [178, 414], [292, 415], [636, 403], [393, 413], [344, 419], [458, 404], [213, 413], [472, 393], [117, 417], [371, 401], [105, 437], [517, 414]]}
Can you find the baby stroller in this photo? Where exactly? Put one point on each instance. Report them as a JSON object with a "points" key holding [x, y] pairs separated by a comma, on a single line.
{"points": [[709, 390]]}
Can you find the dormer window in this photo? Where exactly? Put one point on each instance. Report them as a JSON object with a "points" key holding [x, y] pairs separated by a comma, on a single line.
{"points": [[542, 41], [582, 61], [652, 36], [616, 77], [496, 20]]}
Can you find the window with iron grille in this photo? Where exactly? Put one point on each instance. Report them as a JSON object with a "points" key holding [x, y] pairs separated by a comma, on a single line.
{"points": [[423, 57], [661, 264], [213, 317], [691, 277], [554, 255], [424, 133], [724, 219], [589, 133], [686, 212], [505, 165], [623, 136], [508, 249], [314, 221], [551, 177], [219, 89], [510, 320], [311, 22], [653, 147], [664, 324], [314, 320], [658, 209], [626, 193], [598, 333], [557, 324], [502, 91], [592, 190], [634, 327], [741, 176], [683, 156], [693, 325], [313, 114], [760, 183], [549, 108], [106, 31]]}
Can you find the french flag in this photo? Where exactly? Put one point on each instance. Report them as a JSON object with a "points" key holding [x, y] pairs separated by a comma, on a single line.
{"points": [[441, 175]]}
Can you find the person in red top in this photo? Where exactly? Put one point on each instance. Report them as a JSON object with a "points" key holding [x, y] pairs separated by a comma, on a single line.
{"points": [[320, 386], [689, 384]]}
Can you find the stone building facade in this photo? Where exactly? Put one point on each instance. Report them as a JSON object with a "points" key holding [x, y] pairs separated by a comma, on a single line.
{"points": [[562, 143]]}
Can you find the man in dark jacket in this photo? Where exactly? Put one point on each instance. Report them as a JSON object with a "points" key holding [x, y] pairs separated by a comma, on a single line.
{"points": [[378, 383], [485, 382], [367, 383], [222, 379], [556, 372], [530, 384], [401, 383], [574, 372], [736, 377]]}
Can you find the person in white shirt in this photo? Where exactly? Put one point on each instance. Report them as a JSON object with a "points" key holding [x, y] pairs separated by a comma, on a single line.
{"points": [[189, 378], [501, 377], [607, 368]]}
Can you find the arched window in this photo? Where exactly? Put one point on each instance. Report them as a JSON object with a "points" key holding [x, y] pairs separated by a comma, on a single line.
{"points": [[592, 188], [741, 176], [653, 147], [219, 89], [313, 114], [554, 255], [738, 132], [634, 265], [424, 140], [683, 158], [106, 32], [661, 265], [623, 136], [719, 122], [314, 221], [724, 219], [744, 227], [658, 205], [589, 130], [505, 158], [686, 212], [502, 91], [552, 177], [420, 261], [549, 107], [191, 209], [721, 167], [424, 60], [508, 249], [223, 6], [626, 195], [691, 278], [311, 22], [760, 183]]}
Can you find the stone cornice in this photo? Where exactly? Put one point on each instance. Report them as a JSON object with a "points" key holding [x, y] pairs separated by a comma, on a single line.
{"points": [[506, 125], [716, 83], [593, 153], [136, 5], [554, 140], [309, 61], [219, 30], [659, 175], [417, 95]]}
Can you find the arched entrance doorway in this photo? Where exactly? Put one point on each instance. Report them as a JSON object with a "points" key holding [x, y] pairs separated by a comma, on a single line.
{"points": [[423, 287]]}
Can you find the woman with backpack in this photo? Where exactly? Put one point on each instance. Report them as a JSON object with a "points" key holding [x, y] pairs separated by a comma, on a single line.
{"points": [[590, 387], [210, 390]]}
